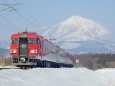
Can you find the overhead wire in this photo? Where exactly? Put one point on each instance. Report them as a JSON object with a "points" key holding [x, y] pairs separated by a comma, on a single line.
{"points": [[10, 22], [4, 9], [8, 5], [20, 14], [24, 16], [32, 18], [4, 26], [28, 13]]}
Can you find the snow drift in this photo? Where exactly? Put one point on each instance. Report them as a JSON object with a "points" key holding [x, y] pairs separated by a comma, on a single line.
{"points": [[53, 77]]}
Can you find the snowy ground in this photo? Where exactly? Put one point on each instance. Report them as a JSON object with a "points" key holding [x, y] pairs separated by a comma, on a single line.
{"points": [[57, 77]]}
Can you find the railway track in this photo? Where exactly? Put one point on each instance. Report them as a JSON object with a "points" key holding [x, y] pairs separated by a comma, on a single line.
{"points": [[5, 68], [8, 68]]}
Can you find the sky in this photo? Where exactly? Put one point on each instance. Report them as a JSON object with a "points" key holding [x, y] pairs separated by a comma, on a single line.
{"points": [[33, 14]]}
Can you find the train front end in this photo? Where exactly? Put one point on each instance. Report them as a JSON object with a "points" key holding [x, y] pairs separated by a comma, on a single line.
{"points": [[24, 49]]}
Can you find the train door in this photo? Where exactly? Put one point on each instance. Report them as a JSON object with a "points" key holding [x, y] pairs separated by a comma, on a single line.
{"points": [[23, 47]]}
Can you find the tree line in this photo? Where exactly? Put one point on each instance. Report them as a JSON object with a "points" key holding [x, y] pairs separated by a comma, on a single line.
{"points": [[98, 61], [5, 61]]}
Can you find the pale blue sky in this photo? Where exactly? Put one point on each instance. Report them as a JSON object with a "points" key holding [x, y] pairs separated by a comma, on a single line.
{"points": [[51, 12]]}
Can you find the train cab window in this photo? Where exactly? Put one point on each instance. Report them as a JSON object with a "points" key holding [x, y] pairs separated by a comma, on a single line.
{"points": [[23, 41], [14, 40], [33, 41]]}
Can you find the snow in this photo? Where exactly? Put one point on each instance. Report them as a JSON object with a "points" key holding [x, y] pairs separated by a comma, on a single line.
{"points": [[78, 29], [56, 77], [110, 73]]}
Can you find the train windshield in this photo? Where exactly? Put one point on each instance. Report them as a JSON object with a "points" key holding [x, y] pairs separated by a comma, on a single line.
{"points": [[33, 41], [14, 40], [23, 40]]}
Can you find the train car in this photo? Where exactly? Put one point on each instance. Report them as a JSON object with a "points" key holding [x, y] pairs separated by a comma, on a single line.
{"points": [[29, 49]]}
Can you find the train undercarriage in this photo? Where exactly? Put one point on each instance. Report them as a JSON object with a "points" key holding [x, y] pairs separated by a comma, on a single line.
{"points": [[33, 63]]}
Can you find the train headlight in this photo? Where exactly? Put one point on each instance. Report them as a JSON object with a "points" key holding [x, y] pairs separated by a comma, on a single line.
{"points": [[33, 51], [23, 60], [13, 51]]}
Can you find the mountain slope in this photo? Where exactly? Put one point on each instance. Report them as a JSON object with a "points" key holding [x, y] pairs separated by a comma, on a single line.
{"points": [[76, 28], [80, 35], [4, 48]]}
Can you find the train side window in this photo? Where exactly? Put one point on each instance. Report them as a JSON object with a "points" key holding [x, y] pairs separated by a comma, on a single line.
{"points": [[33, 41], [14, 40]]}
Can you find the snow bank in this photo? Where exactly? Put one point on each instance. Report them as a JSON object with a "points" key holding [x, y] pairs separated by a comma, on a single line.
{"points": [[52, 77]]}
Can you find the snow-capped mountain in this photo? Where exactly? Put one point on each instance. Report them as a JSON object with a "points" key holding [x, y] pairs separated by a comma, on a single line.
{"points": [[4, 48], [5, 45], [80, 35], [76, 29]]}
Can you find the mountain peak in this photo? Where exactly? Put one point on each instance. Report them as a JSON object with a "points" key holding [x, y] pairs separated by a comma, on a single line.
{"points": [[74, 17], [85, 26], [75, 20], [78, 20]]}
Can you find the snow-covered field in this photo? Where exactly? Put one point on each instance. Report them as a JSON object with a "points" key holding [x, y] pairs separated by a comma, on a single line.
{"points": [[57, 77]]}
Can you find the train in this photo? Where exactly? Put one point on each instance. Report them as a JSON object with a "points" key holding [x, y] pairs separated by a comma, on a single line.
{"points": [[29, 49]]}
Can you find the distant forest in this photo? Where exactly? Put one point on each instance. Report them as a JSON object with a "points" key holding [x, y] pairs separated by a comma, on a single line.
{"points": [[96, 61]]}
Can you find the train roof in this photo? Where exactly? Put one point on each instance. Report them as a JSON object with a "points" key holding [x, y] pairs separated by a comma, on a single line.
{"points": [[25, 34]]}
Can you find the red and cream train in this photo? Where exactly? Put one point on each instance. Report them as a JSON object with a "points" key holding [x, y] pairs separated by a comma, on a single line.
{"points": [[31, 50]]}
